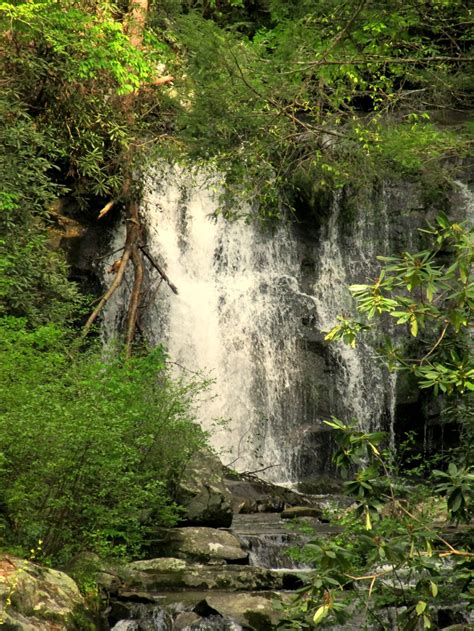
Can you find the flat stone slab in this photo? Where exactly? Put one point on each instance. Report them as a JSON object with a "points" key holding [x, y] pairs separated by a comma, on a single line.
{"points": [[154, 566], [301, 511], [155, 576]]}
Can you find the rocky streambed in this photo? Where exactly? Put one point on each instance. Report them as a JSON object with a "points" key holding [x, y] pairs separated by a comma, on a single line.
{"points": [[224, 578], [226, 567]]}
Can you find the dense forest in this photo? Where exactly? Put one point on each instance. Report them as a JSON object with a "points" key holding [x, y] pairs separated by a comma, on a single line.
{"points": [[286, 103]]}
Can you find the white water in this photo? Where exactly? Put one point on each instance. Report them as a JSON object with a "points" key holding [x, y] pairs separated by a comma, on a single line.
{"points": [[362, 383], [232, 319]]}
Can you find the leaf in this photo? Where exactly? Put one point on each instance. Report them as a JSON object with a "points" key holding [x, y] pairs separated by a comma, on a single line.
{"points": [[452, 469], [321, 613], [414, 326], [368, 522], [434, 589], [420, 607], [442, 220], [455, 501], [358, 288]]}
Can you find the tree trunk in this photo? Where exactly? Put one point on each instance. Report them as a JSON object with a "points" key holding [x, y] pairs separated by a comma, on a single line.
{"points": [[134, 27]]}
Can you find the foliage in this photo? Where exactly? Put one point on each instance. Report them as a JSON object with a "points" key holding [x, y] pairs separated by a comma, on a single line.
{"points": [[90, 448], [69, 65], [430, 294], [270, 93], [33, 279], [392, 551], [337, 92]]}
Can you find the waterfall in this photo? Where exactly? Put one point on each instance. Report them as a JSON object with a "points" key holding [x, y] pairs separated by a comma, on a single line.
{"points": [[365, 389], [247, 318], [233, 319]]}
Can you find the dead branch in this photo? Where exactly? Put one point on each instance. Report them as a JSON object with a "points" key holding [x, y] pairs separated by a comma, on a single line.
{"points": [[106, 209], [270, 466], [160, 270], [134, 299], [163, 80], [110, 292], [134, 23]]}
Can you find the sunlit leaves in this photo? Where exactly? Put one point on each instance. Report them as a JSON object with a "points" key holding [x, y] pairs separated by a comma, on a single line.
{"points": [[430, 294], [91, 448], [347, 331], [313, 91]]}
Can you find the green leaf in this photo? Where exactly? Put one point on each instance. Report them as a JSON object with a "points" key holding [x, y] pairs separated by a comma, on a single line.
{"points": [[420, 607], [452, 469], [321, 613], [455, 500]]}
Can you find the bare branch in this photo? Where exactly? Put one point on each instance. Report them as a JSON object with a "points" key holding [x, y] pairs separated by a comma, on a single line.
{"points": [[160, 270], [110, 292]]}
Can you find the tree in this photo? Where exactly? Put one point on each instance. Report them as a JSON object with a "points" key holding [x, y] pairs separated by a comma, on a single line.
{"points": [[301, 96], [77, 97]]}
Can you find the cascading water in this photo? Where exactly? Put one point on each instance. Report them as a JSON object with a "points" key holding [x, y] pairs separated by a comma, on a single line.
{"points": [[251, 316], [363, 385], [232, 320]]}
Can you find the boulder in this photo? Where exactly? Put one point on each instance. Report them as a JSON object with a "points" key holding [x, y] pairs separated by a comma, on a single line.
{"points": [[320, 485], [204, 610], [35, 598], [253, 495], [202, 493], [251, 611], [185, 619], [201, 544]]}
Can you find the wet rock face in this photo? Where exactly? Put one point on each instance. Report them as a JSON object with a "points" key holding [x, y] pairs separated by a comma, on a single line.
{"points": [[35, 598], [202, 493], [201, 611]]}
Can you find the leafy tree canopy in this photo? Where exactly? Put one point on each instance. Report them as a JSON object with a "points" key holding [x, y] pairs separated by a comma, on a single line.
{"points": [[326, 92], [281, 97]]}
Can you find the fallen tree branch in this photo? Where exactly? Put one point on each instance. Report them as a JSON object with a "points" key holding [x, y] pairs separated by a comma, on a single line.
{"points": [[106, 209], [110, 292], [132, 315], [160, 270], [270, 466]]}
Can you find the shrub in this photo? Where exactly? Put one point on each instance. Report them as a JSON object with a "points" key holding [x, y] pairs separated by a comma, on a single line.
{"points": [[89, 447]]}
